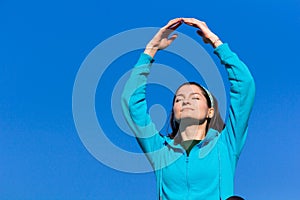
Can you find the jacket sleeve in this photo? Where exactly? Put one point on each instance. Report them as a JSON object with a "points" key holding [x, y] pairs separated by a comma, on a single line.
{"points": [[242, 92], [135, 109]]}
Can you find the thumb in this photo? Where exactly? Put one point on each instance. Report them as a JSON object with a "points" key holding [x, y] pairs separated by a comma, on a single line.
{"points": [[200, 33], [172, 38]]}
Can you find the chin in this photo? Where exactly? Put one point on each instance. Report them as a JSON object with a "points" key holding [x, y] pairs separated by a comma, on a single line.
{"points": [[191, 120], [188, 118]]}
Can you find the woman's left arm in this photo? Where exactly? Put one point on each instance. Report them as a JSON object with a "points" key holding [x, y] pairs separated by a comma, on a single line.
{"points": [[242, 87], [242, 93]]}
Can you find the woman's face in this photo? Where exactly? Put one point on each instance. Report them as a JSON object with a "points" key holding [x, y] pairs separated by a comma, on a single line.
{"points": [[190, 103]]}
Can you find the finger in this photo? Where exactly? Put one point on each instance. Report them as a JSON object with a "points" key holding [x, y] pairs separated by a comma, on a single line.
{"points": [[192, 22], [205, 40], [186, 20], [189, 21], [174, 23], [200, 33], [172, 38], [175, 26]]}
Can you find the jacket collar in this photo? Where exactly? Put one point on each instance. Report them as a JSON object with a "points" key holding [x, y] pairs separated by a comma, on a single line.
{"points": [[206, 145]]}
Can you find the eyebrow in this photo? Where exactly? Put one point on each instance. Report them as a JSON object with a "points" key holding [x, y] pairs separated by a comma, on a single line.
{"points": [[189, 94]]}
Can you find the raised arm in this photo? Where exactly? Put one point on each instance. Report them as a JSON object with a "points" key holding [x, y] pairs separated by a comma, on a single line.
{"points": [[134, 102], [242, 92], [162, 39], [202, 29], [242, 87]]}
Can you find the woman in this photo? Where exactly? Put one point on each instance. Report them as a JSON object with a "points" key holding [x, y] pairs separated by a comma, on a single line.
{"points": [[198, 159]]}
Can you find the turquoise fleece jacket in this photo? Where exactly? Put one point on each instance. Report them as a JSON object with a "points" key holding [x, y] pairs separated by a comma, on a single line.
{"points": [[208, 172]]}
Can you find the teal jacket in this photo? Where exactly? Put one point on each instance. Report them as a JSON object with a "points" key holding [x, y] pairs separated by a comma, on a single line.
{"points": [[208, 172]]}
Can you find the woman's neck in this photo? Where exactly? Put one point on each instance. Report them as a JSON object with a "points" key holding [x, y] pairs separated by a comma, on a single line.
{"points": [[192, 132]]}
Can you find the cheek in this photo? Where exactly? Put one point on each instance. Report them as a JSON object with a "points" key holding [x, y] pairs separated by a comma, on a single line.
{"points": [[176, 110], [202, 108], [202, 104]]}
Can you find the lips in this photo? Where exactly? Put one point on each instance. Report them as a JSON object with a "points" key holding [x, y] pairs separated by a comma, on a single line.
{"points": [[183, 109]]}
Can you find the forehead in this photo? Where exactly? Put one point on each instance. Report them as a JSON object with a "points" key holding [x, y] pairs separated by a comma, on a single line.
{"points": [[188, 89]]}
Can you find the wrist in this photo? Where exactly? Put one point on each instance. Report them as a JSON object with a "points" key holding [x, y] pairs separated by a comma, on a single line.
{"points": [[215, 41], [151, 51]]}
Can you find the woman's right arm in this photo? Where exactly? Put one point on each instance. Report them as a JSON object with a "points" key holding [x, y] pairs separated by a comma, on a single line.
{"points": [[134, 106], [134, 102]]}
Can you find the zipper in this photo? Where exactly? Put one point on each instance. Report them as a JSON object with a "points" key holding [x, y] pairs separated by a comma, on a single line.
{"points": [[220, 177], [187, 175]]}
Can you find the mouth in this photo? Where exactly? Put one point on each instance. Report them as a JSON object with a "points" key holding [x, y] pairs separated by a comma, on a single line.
{"points": [[184, 109]]}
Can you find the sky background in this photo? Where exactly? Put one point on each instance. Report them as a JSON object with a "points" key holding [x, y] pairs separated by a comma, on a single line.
{"points": [[42, 46]]}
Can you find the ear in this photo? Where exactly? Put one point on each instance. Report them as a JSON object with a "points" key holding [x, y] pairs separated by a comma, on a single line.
{"points": [[210, 112]]}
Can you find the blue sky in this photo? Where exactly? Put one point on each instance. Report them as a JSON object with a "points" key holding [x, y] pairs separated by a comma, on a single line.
{"points": [[44, 43]]}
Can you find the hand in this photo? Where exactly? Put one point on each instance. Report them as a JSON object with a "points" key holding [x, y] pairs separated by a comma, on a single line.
{"points": [[207, 35], [162, 40]]}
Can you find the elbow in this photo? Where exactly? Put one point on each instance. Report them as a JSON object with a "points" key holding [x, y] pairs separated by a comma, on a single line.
{"points": [[125, 101], [250, 84], [250, 90]]}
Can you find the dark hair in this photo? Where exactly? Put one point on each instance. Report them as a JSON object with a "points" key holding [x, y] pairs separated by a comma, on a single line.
{"points": [[235, 198], [216, 122]]}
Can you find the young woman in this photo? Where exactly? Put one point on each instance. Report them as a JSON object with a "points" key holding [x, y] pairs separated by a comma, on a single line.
{"points": [[198, 159]]}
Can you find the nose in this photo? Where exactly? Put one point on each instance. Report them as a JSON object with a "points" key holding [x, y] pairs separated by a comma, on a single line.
{"points": [[186, 101]]}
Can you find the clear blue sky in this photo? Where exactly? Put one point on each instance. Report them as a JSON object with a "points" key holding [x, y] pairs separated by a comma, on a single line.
{"points": [[42, 46]]}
